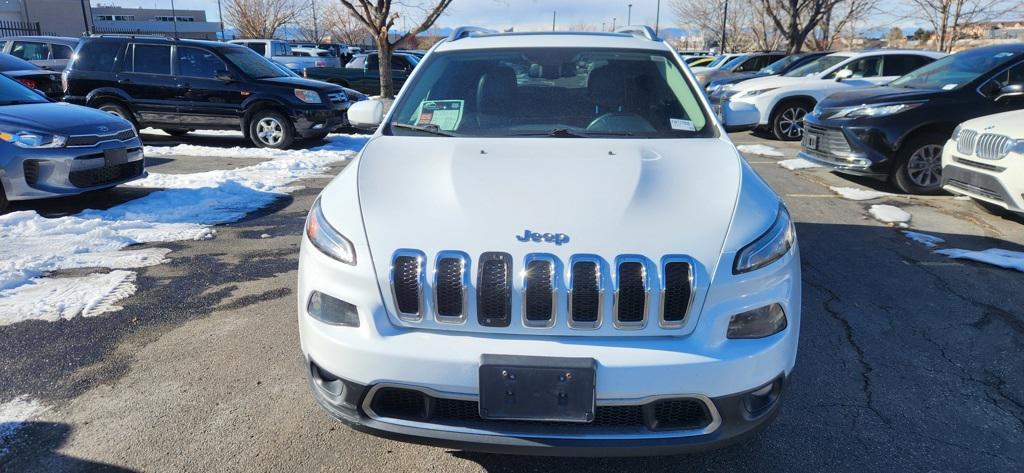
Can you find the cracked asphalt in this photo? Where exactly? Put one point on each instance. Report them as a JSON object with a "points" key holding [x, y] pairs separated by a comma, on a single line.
{"points": [[909, 360]]}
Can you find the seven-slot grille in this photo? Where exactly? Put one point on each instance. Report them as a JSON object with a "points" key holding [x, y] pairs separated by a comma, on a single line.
{"points": [[583, 286]]}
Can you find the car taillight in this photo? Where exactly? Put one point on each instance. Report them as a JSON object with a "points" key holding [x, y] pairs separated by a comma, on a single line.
{"points": [[305, 73], [30, 83], [321, 63]]}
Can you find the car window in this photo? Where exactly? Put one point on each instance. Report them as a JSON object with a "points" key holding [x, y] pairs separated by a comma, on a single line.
{"points": [[900, 64], [152, 59], [258, 47], [753, 64], [954, 71], [399, 62], [253, 64], [97, 56], [816, 66], [30, 50], [197, 62], [1012, 75], [372, 62], [357, 63], [544, 92], [281, 49], [865, 67], [60, 51]]}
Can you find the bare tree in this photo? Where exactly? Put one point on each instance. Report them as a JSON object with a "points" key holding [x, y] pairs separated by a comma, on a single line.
{"points": [[707, 17], [845, 16], [949, 17], [583, 26], [796, 19], [378, 17], [260, 18], [310, 24], [343, 26]]}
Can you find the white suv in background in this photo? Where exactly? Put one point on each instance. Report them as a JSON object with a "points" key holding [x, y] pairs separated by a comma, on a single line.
{"points": [[550, 246], [782, 101], [984, 159]]}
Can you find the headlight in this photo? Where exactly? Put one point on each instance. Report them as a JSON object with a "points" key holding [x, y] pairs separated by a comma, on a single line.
{"points": [[758, 323], [31, 139], [755, 92], [875, 110], [956, 133], [1012, 146], [769, 247], [327, 239], [308, 96]]}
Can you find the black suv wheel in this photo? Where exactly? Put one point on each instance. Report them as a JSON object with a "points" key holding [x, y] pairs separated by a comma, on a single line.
{"points": [[270, 129], [919, 165], [119, 110]]}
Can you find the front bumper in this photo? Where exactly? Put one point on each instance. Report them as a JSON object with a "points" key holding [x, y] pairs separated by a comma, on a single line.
{"points": [[998, 182], [842, 149], [314, 121], [55, 172]]}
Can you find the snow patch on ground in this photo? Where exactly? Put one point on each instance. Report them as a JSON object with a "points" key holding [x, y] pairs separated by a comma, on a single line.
{"points": [[797, 164], [13, 415], [335, 143], [51, 299], [763, 150], [889, 214], [994, 256], [854, 193], [931, 241]]}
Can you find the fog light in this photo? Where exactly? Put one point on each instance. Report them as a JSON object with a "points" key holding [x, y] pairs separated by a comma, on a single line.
{"points": [[762, 398], [758, 323], [332, 311]]}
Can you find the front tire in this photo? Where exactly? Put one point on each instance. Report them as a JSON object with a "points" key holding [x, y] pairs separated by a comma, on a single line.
{"points": [[918, 168], [270, 129], [787, 120], [119, 111]]}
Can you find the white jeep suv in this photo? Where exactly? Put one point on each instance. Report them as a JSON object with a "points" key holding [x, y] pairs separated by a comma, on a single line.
{"points": [[984, 160], [549, 246], [782, 101]]}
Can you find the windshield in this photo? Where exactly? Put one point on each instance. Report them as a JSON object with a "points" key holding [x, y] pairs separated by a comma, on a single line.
{"points": [[736, 61], [818, 65], [251, 63], [951, 72], [559, 92], [778, 66], [13, 93], [718, 61]]}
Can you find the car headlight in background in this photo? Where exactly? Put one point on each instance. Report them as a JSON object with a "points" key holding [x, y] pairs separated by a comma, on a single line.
{"points": [[308, 96], [880, 110], [31, 139], [327, 239], [755, 92], [768, 247]]}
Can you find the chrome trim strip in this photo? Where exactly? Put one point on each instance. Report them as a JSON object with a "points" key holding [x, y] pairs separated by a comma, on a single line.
{"points": [[109, 137], [716, 418], [421, 279], [598, 262], [645, 274], [555, 268], [466, 286], [665, 260]]}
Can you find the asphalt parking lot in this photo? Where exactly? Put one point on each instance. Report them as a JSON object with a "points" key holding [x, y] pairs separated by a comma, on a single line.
{"points": [[909, 360]]}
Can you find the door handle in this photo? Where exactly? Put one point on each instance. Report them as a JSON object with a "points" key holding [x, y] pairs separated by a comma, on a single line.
{"points": [[124, 81], [184, 86]]}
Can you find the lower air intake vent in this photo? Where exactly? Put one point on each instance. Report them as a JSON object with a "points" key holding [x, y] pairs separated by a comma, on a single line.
{"points": [[539, 292], [631, 294], [677, 292], [494, 290], [585, 293], [407, 283]]}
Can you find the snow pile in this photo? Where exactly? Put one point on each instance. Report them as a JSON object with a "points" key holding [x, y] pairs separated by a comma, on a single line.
{"points": [[763, 150], [854, 193], [931, 241], [797, 164], [335, 143], [51, 299], [994, 256], [13, 415], [889, 214]]}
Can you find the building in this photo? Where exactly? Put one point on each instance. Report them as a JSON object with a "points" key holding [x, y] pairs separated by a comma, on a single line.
{"points": [[184, 23], [51, 17]]}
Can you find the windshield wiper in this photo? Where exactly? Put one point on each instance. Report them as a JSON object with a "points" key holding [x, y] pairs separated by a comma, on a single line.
{"points": [[567, 133], [432, 129]]}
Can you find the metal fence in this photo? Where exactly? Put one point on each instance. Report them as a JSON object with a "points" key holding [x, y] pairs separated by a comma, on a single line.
{"points": [[19, 28]]}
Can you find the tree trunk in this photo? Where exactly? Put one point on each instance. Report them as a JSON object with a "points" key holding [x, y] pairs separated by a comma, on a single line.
{"points": [[387, 86]]}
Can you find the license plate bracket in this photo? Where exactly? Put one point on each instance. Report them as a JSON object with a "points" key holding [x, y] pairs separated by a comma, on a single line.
{"points": [[810, 141], [537, 388], [115, 156]]}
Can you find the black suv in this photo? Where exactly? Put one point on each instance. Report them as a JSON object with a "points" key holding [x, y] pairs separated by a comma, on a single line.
{"points": [[897, 131], [184, 85]]}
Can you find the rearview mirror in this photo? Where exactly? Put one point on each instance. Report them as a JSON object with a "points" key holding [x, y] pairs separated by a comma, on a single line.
{"points": [[366, 114], [224, 76], [843, 74], [1012, 90], [739, 116]]}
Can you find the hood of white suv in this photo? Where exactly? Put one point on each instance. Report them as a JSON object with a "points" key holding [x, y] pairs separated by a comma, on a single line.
{"points": [[1007, 123], [609, 197]]}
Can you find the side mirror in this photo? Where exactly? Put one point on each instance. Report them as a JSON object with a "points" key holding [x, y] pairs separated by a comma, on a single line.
{"points": [[223, 75], [366, 114], [843, 74], [1012, 90], [739, 116]]}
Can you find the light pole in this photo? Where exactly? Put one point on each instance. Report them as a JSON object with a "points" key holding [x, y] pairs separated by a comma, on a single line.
{"points": [[554, 14], [613, 24], [174, 18], [220, 18], [316, 32], [629, 15], [657, 18], [725, 16]]}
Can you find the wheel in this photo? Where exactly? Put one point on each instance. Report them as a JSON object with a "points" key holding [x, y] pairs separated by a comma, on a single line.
{"points": [[787, 120], [119, 110], [270, 129], [175, 132], [918, 167]]}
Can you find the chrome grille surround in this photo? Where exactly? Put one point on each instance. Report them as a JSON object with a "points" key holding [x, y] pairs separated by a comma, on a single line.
{"points": [[599, 277], [665, 261], [616, 288], [420, 280], [556, 268], [85, 141], [464, 279]]}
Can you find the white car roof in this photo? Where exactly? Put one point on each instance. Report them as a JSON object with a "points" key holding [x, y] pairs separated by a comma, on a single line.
{"points": [[552, 40]]}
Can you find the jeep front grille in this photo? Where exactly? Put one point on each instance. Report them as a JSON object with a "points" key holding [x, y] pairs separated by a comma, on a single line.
{"points": [[484, 293]]}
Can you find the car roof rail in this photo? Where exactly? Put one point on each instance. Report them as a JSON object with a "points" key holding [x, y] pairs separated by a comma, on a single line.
{"points": [[131, 35], [641, 31], [467, 31]]}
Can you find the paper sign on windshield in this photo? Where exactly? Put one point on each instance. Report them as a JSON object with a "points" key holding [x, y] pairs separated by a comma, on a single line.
{"points": [[444, 114]]}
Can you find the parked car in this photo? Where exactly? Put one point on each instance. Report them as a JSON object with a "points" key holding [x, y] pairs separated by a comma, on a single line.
{"points": [[183, 85], [32, 76], [783, 101], [352, 94], [897, 132], [698, 61], [984, 160], [48, 52], [659, 317], [715, 63], [57, 149], [776, 68], [744, 63], [281, 52], [363, 72], [311, 52]]}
